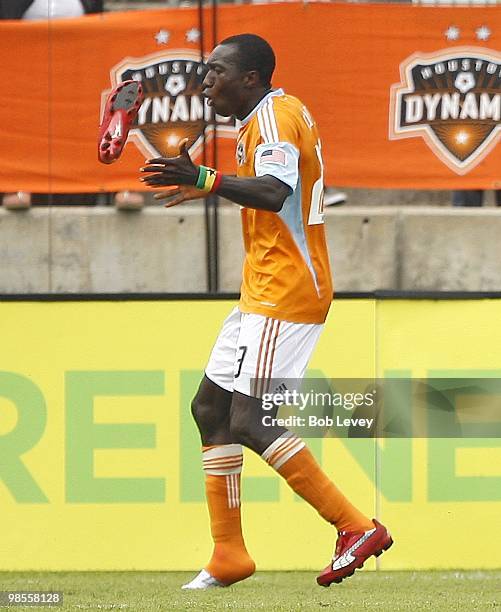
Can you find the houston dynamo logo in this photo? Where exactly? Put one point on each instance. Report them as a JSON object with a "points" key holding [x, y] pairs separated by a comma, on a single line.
{"points": [[452, 99], [173, 106]]}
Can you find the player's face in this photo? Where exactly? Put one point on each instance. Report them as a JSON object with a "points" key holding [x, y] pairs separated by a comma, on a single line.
{"points": [[225, 85]]}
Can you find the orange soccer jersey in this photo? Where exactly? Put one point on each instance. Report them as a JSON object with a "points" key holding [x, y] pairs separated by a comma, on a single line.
{"points": [[286, 272]]}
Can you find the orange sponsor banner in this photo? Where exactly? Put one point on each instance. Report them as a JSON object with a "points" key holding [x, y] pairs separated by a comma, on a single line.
{"points": [[405, 96]]}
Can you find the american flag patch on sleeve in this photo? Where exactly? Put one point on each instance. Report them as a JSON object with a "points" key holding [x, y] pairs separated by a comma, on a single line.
{"points": [[275, 156]]}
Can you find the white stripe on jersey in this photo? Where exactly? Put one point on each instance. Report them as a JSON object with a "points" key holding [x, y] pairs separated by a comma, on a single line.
{"points": [[265, 134], [273, 121], [267, 123]]}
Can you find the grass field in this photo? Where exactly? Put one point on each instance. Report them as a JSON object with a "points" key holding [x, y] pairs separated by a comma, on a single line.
{"points": [[382, 591]]}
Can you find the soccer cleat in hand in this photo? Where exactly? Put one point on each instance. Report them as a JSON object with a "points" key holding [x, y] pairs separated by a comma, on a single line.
{"points": [[120, 111]]}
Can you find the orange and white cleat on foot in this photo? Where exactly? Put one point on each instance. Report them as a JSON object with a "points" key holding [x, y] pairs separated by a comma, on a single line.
{"points": [[203, 580], [352, 550], [120, 111]]}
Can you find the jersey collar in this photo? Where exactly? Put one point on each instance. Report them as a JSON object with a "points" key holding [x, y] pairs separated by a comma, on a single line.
{"points": [[262, 102]]}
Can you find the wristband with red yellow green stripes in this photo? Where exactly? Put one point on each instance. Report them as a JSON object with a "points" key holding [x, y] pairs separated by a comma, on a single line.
{"points": [[208, 179]]}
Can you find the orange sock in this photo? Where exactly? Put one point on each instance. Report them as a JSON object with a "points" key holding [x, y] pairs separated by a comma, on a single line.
{"points": [[289, 456], [230, 561]]}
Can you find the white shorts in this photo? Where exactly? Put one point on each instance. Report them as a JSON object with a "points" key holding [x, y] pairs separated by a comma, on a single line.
{"points": [[252, 349]]}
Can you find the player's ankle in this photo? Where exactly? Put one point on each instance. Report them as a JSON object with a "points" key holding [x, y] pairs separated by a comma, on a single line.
{"points": [[235, 574], [355, 526], [229, 566]]}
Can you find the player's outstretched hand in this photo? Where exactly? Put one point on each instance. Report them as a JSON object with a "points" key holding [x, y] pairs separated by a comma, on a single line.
{"points": [[180, 194], [166, 171]]}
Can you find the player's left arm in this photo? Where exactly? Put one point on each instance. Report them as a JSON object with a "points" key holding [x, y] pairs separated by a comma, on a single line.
{"points": [[264, 192]]}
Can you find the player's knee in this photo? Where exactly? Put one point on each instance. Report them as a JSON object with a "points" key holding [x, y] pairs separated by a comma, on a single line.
{"points": [[201, 412]]}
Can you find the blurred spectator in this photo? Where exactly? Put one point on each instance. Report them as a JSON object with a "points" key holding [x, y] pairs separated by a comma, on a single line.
{"points": [[472, 197], [47, 9]]}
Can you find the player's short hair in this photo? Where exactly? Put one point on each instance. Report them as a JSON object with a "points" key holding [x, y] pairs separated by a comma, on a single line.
{"points": [[254, 53]]}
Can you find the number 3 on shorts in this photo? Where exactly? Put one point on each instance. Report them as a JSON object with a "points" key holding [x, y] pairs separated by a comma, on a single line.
{"points": [[239, 360]]}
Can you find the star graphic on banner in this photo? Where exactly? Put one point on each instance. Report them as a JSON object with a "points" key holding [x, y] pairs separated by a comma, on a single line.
{"points": [[193, 35], [483, 33], [462, 137], [162, 37], [452, 32]]}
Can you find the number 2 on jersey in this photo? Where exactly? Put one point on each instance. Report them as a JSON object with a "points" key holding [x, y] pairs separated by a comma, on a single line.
{"points": [[316, 215], [317, 193]]}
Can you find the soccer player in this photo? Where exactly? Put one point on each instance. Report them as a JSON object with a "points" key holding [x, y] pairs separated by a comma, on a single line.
{"points": [[285, 296]]}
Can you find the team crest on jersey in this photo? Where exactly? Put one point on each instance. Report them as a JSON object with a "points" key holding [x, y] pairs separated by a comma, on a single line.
{"points": [[452, 99], [240, 153], [173, 106]]}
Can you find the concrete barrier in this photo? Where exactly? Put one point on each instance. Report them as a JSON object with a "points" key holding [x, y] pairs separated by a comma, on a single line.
{"points": [[450, 249], [231, 248], [101, 250], [24, 251], [362, 247]]}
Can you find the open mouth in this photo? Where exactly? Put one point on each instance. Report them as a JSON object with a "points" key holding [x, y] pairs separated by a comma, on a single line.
{"points": [[209, 98]]}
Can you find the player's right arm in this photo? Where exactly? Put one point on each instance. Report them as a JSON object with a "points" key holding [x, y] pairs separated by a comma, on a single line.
{"points": [[262, 192]]}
